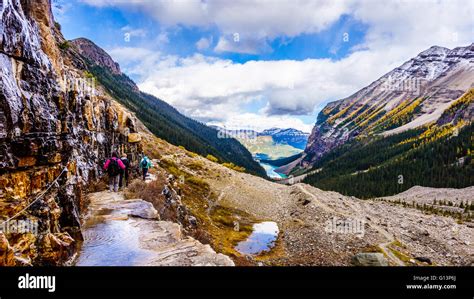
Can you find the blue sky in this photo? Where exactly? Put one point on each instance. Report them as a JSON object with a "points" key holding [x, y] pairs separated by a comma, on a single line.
{"points": [[107, 26], [260, 64]]}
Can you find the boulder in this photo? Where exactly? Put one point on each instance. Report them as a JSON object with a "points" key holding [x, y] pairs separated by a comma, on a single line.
{"points": [[134, 137], [192, 221], [138, 208], [369, 259], [423, 259]]}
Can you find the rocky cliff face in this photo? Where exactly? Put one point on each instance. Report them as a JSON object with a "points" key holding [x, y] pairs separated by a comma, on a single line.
{"points": [[86, 49], [96, 54], [414, 94], [56, 129]]}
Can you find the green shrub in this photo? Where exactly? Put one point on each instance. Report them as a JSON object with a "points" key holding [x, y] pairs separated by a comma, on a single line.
{"points": [[57, 25], [198, 182], [64, 45], [196, 165], [88, 75], [212, 158], [233, 167]]}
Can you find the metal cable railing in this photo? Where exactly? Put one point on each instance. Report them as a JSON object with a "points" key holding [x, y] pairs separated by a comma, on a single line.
{"points": [[38, 197]]}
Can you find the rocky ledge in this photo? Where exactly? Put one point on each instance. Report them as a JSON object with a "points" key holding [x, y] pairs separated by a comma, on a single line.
{"points": [[119, 232]]}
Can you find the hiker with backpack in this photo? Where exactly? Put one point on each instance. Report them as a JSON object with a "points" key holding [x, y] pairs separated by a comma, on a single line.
{"points": [[114, 166], [124, 173], [145, 164]]}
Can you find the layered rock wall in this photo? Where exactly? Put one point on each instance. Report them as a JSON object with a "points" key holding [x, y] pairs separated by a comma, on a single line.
{"points": [[55, 126]]}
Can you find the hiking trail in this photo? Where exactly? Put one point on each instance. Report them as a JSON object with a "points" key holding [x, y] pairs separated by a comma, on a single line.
{"points": [[121, 232]]}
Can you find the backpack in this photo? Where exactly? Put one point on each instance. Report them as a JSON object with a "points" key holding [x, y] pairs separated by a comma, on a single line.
{"points": [[125, 162], [113, 169], [144, 163]]}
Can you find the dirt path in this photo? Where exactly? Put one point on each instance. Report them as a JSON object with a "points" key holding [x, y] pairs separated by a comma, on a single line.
{"points": [[383, 246]]}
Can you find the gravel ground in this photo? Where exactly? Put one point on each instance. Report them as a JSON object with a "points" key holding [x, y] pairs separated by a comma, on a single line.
{"points": [[304, 214]]}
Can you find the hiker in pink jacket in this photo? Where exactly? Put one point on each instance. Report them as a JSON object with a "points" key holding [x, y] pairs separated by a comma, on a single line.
{"points": [[114, 166]]}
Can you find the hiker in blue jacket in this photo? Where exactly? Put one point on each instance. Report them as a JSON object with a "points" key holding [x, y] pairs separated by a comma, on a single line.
{"points": [[145, 164]]}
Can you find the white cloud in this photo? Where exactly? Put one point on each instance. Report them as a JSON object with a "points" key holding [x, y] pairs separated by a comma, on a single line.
{"points": [[216, 90], [162, 38], [409, 27], [60, 9], [405, 23], [129, 54], [134, 32], [248, 17], [204, 43], [136, 61], [213, 89], [238, 44], [258, 122], [255, 21]]}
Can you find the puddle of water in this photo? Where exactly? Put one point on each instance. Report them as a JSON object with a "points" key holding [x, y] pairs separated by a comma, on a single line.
{"points": [[260, 240], [111, 243], [111, 238]]}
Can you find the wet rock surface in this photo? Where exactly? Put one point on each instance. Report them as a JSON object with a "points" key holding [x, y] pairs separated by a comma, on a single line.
{"points": [[119, 232], [261, 240]]}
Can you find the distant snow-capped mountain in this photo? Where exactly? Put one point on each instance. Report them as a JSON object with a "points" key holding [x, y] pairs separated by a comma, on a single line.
{"points": [[271, 143], [421, 91], [288, 136]]}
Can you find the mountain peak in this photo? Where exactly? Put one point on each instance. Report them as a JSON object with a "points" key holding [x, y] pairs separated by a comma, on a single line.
{"points": [[433, 53], [89, 49], [435, 49], [443, 52], [410, 96], [276, 131]]}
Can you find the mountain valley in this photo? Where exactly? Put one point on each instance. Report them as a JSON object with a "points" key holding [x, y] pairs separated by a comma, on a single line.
{"points": [[387, 173]]}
